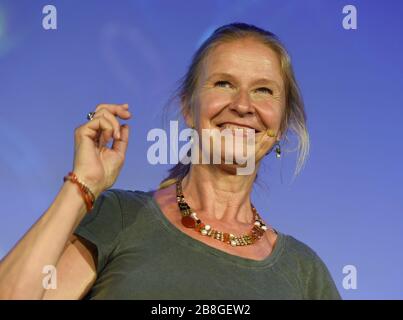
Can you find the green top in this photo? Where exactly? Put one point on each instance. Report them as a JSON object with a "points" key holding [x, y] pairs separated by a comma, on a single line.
{"points": [[142, 255]]}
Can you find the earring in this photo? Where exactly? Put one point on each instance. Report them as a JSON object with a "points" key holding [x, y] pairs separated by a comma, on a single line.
{"points": [[278, 151], [272, 134]]}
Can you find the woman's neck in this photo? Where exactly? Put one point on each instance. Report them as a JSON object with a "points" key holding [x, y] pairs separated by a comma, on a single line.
{"points": [[217, 196]]}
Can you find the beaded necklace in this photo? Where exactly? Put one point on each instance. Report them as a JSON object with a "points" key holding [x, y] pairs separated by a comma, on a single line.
{"points": [[190, 220]]}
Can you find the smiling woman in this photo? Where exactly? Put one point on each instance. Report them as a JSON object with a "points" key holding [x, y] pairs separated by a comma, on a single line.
{"points": [[198, 236], [241, 65]]}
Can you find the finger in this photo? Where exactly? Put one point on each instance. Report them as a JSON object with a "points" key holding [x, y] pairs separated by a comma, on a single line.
{"points": [[120, 145], [120, 110], [104, 136], [116, 125], [100, 130], [115, 109]]}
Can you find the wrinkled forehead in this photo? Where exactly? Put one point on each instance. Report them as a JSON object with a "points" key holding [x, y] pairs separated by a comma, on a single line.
{"points": [[245, 60]]}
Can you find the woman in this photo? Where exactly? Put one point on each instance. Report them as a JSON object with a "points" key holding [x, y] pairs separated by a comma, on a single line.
{"points": [[198, 236]]}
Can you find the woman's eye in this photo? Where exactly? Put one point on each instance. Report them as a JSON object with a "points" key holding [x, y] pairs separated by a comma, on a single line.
{"points": [[265, 90], [224, 84]]}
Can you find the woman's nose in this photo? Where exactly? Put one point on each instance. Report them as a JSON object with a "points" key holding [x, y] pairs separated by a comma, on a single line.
{"points": [[242, 104]]}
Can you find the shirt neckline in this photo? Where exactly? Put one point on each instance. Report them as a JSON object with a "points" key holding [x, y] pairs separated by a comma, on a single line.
{"points": [[207, 249]]}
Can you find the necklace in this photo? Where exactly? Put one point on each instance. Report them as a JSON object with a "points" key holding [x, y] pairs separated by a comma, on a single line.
{"points": [[190, 220]]}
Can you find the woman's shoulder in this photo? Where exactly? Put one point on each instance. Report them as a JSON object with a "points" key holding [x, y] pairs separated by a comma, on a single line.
{"points": [[136, 196], [300, 254], [131, 201], [298, 247], [114, 211], [112, 207], [312, 270]]}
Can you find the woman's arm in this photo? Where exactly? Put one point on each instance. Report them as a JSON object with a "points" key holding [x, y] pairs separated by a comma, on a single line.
{"points": [[76, 271], [46, 243], [50, 242]]}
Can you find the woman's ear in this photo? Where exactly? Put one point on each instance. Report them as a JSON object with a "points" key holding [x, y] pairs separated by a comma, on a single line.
{"points": [[280, 132], [279, 136]]}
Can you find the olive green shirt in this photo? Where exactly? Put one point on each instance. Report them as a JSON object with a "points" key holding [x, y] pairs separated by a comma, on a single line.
{"points": [[142, 255]]}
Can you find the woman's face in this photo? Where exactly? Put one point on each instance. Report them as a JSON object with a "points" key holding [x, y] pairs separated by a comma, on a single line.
{"points": [[241, 87]]}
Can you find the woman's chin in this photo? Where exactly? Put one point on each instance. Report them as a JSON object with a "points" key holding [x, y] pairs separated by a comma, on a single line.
{"points": [[234, 161]]}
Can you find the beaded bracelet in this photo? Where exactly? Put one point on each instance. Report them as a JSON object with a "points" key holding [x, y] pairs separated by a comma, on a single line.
{"points": [[88, 196]]}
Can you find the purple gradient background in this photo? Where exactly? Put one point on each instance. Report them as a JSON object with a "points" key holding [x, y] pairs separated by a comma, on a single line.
{"points": [[348, 202]]}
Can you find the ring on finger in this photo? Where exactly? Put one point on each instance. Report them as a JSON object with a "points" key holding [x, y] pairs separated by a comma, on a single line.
{"points": [[90, 115]]}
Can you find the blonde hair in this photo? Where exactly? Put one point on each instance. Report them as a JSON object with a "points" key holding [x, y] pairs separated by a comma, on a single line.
{"points": [[294, 118]]}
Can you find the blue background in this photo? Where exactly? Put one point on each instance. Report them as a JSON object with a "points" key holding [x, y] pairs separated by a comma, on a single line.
{"points": [[347, 204]]}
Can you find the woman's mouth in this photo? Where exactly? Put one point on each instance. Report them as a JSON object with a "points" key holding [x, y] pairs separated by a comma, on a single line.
{"points": [[232, 126]]}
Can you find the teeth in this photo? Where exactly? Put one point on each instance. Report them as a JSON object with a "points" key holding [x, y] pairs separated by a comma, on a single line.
{"points": [[232, 126]]}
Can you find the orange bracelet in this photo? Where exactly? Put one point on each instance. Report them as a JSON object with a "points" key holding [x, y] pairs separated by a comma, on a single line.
{"points": [[88, 196]]}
